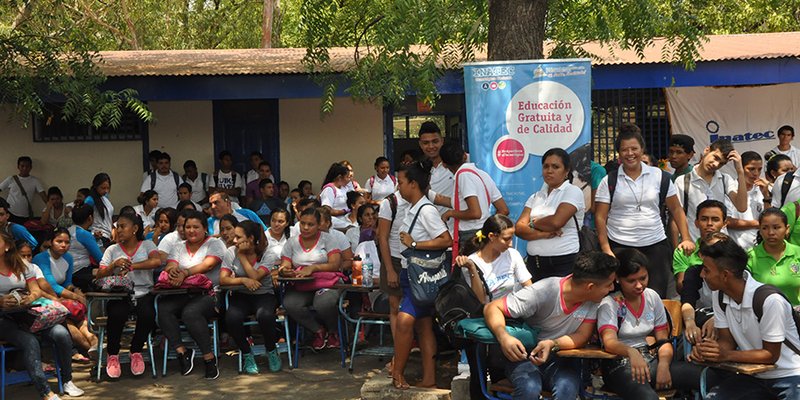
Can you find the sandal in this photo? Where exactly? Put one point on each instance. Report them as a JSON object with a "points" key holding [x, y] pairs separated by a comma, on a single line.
{"points": [[400, 384]]}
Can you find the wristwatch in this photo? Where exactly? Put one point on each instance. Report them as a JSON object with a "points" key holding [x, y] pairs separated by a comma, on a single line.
{"points": [[556, 347], [413, 244]]}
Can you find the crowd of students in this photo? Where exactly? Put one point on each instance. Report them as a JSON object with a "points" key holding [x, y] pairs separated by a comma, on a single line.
{"points": [[698, 235]]}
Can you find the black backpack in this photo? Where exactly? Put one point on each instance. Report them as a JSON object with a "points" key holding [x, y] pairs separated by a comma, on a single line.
{"points": [[662, 192], [456, 301], [174, 175], [759, 296], [787, 184]]}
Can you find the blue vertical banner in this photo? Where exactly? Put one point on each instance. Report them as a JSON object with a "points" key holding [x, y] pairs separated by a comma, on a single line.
{"points": [[517, 110]]}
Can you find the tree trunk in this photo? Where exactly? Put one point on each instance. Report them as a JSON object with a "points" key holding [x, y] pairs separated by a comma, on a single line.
{"points": [[516, 29], [266, 24]]}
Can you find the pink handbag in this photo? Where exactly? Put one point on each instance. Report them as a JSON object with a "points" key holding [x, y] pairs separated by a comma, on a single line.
{"points": [[322, 280], [197, 281]]}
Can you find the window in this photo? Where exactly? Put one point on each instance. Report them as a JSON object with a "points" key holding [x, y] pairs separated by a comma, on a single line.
{"points": [[52, 128]]}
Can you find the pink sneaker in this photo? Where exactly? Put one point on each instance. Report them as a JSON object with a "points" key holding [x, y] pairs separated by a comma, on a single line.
{"points": [[137, 364], [333, 341], [112, 368], [320, 338]]}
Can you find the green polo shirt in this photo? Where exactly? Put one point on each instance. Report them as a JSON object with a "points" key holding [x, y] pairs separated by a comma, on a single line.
{"points": [[681, 262], [784, 274], [684, 171], [794, 223]]}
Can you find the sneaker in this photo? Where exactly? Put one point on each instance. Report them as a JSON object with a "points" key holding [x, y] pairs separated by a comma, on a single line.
{"points": [[250, 366], [54, 397], [212, 372], [71, 390], [333, 341], [113, 370], [187, 362], [137, 364], [275, 363], [320, 339]]}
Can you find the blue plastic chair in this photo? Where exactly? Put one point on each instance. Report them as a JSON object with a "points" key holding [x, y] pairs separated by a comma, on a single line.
{"points": [[13, 378]]}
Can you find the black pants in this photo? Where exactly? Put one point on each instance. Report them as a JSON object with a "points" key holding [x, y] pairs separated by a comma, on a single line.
{"points": [[195, 310], [617, 377], [241, 306], [542, 267], [659, 267], [83, 278], [493, 360], [118, 312]]}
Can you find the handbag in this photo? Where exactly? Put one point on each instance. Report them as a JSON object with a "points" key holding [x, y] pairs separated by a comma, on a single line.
{"points": [[322, 280], [587, 237], [44, 315], [197, 281], [427, 270], [115, 283], [476, 329], [77, 310]]}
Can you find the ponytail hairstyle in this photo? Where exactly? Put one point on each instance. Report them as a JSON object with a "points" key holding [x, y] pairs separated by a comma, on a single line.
{"points": [[335, 170], [252, 229], [136, 221], [495, 224], [419, 172], [147, 195], [774, 164], [98, 180]]}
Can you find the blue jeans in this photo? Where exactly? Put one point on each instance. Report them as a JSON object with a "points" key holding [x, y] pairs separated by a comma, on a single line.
{"points": [[28, 344], [562, 376], [748, 387]]}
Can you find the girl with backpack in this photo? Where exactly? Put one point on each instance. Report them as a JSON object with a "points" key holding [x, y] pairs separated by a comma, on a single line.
{"points": [[422, 229], [381, 184], [493, 269]]}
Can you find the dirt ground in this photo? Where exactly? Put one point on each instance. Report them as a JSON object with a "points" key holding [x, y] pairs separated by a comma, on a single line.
{"points": [[319, 376]]}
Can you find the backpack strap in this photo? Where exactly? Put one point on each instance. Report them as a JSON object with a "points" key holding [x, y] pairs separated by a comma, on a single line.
{"points": [[177, 180], [666, 178], [687, 183], [204, 178], [786, 185], [457, 205], [612, 186], [153, 180], [216, 179], [372, 182], [722, 304], [393, 205], [414, 221], [394, 180], [25, 195], [760, 296]]}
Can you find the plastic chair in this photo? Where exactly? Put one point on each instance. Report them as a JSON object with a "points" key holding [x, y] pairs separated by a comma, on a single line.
{"points": [[258, 350], [13, 378], [213, 325], [99, 325]]}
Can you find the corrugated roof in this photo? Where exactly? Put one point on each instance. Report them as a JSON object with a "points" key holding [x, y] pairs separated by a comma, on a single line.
{"points": [[289, 60]]}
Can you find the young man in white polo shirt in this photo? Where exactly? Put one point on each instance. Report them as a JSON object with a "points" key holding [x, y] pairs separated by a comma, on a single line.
{"points": [[565, 311], [707, 182], [430, 142], [785, 137], [22, 189], [164, 181], [474, 193], [742, 337]]}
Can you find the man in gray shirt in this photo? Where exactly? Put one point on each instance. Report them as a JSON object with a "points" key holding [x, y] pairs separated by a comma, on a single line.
{"points": [[565, 311]]}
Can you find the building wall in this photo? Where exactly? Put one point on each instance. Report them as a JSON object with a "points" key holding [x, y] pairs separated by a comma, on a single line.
{"points": [[185, 130], [310, 144]]}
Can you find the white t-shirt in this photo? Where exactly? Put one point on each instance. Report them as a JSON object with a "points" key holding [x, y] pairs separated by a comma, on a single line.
{"points": [[272, 255], [294, 252], [229, 180], [701, 191], [198, 193], [793, 153], [147, 219], [504, 275], [792, 195], [232, 264], [10, 282], [353, 233], [103, 224], [16, 201], [380, 188], [165, 187], [626, 224], [543, 204], [746, 238], [542, 306], [339, 239], [142, 278], [776, 326], [168, 241], [429, 224], [473, 182], [385, 212], [212, 247], [335, 198], [636, 324], [59, 269], [443, 182]]}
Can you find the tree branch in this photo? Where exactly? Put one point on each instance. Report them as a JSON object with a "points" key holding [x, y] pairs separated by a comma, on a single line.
{"points": [[363, 33], [23, 14]]}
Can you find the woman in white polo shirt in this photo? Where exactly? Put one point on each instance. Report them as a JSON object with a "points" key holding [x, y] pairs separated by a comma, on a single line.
{"points": [[549, 221], [632, 217], [334, 194]]}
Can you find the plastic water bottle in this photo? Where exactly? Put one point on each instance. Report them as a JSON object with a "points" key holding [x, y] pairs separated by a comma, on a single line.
{"points": [[366, 271]]}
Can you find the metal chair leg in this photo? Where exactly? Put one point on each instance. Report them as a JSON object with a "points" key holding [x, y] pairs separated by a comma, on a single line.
{"points": [[353, 350], [101, 335], [152, 355], [288, 341]]}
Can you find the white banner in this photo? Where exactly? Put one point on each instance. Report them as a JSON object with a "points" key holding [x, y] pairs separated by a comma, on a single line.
{"points": [[750, 116]]}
